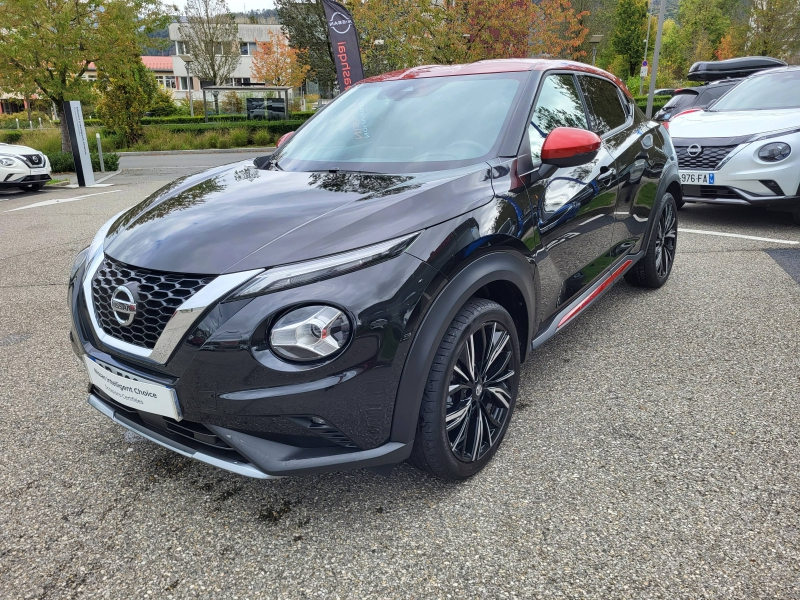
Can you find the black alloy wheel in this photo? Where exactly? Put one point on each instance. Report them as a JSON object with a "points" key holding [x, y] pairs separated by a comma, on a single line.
{"points": [[654, 268], [470, 394]]}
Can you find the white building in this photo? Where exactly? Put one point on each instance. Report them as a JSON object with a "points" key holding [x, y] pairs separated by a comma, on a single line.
{"points": [[242, 75]]}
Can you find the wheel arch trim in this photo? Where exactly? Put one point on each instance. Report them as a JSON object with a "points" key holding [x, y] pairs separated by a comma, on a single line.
{"points": [[495, 266]]}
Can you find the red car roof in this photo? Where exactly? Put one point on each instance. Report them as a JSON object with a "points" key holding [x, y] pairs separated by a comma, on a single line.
{"points": [[483, 67]]}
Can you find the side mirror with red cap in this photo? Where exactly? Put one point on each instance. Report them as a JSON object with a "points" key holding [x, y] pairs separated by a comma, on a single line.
{"points": [[284, 138], [570, 147]]}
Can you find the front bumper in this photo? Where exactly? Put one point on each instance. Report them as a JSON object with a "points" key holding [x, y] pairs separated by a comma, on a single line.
{"points": [[247, 412], [740, 177], [253, 456]]}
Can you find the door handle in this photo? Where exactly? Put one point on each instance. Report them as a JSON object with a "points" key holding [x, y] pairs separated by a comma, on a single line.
{"points": [[606, 176]]}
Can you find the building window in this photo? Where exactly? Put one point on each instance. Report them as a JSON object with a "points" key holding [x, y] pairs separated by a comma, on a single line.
{"points": [[244, 49], [253, 47], [169, 82], [181, 48], [183, 83]]}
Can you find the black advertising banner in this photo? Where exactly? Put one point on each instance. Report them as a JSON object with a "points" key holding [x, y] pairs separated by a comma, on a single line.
{"points": [[344, 42]]}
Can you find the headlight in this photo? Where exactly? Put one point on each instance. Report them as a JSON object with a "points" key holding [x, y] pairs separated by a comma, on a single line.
{"points": [[297, 274], [7, 162], [774, 152], [78, 262], [310, 333]]}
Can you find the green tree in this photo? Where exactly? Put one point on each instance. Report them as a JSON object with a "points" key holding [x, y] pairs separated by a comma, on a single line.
{"points": [[162, 104], [630, 29], [774, 28], [127, 89], [703, 24], [212, 39], [304, 24], [50, 43]]}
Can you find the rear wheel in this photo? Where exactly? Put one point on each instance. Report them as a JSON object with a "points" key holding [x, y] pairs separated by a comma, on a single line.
{"points": [[470, 393], [654, 267]]}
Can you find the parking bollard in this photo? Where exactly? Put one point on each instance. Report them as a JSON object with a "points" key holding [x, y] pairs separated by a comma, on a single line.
{"points": [[17, 123], [30, 125], [40, 123], [100, 153]]}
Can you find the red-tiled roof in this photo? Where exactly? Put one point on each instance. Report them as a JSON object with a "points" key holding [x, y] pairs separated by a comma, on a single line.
{"points": [[154, 63], [158, 63]]}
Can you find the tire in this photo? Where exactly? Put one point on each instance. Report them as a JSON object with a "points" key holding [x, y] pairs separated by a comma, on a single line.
{"points": [[32, 187], [654, 268], [478, 410], [796, 217]]}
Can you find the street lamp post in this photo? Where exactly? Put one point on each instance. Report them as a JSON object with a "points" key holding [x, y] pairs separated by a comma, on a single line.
{"points": [[187, 60], [656, 53], [594, 41], [646, 48]]}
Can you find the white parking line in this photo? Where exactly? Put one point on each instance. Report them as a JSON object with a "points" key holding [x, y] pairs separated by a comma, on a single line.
{"points": [[736, 235], [61, 200]]}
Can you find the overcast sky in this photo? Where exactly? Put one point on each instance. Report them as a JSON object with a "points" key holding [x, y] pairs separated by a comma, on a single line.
{"points": [[244, 5]]}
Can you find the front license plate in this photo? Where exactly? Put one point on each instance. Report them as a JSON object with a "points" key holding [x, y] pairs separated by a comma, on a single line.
{"points": [[141, 395], [691, 177], [38, 171]]}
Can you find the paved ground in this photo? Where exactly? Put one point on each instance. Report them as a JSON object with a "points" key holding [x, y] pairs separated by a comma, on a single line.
{"points": [[654, 454]]}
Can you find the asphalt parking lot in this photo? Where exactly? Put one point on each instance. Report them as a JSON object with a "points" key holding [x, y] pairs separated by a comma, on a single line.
{"points": [[654, 452]]}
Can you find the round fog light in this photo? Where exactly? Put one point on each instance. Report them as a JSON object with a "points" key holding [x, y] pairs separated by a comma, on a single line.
{"points": [[774, 152], [310, 333]]}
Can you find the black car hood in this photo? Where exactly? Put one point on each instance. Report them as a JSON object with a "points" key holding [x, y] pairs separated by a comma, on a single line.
{"points": [[238, 217]]}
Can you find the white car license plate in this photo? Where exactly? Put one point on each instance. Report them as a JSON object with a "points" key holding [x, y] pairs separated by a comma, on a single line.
{"points": [[38, 171], [141, 395], [697, 178]]}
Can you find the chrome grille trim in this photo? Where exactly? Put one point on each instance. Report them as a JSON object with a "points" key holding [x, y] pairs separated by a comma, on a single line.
{"points": [[184, 317]]}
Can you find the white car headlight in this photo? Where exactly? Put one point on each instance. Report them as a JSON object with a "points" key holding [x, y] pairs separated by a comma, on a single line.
{"points": [[774, 152], [310, 333], [7, 162], [297, 274]]}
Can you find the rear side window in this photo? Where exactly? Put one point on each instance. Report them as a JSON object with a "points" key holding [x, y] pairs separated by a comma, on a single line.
{"points": [[605, 107], [682, 100], [558, 105], [712, 93]]}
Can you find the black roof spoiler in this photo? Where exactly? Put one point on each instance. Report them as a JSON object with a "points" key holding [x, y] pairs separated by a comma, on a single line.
{"points": [[733, 67]]}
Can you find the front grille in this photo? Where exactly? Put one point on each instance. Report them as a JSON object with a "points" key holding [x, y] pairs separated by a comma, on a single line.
{"points": [[709, 157], [160, 294], [35, 160], [709, 191]]}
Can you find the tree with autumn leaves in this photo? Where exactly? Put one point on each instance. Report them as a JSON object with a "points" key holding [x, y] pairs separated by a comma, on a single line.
{"points": [[403, 33], [275, 62]]}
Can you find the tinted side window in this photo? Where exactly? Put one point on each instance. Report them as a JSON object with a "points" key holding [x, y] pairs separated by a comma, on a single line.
{"points": [[681, 100], [604, 104], [558, 105], [714, 92]]}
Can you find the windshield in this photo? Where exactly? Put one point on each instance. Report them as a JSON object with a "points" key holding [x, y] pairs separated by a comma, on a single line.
{"points": [[763, 92], [406, 126]]}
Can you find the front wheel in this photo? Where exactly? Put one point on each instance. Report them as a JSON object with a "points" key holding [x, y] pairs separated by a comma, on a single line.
{"points": [[470, 393], [654, 267]]}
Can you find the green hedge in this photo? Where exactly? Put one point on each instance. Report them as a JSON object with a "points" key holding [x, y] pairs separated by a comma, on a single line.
{"points": [[186, 119], [62, 162], [658, 102], [274, 127], [11, 137]]}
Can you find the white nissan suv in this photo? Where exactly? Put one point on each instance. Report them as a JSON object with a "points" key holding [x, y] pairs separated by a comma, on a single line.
{"points": [[745, 148], [23, 167]]}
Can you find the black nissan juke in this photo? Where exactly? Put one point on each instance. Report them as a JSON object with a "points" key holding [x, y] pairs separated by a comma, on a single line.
{"points": [[367, 293]]}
